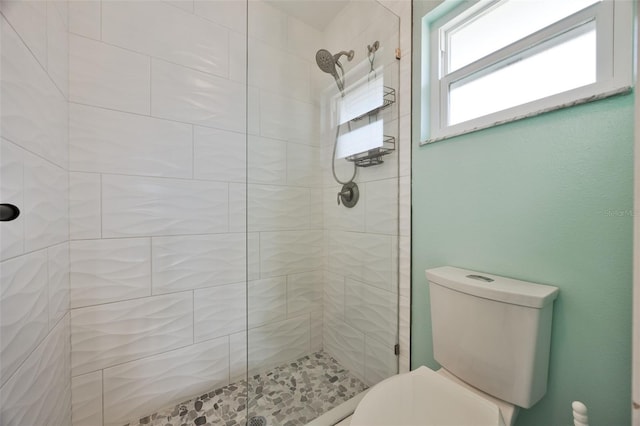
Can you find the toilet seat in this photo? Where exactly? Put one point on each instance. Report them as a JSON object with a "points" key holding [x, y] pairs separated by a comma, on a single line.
{"points": [[424, 397]]}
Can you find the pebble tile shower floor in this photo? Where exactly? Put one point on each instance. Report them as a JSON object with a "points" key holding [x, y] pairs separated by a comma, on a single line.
{"points": [[288, 395]]}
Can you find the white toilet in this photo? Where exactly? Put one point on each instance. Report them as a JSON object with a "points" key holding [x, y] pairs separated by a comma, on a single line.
{"points": [[491, 335]]}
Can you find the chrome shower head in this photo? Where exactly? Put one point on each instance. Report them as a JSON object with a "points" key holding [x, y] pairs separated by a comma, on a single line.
{"points": [[330, 63], [326, 61]]}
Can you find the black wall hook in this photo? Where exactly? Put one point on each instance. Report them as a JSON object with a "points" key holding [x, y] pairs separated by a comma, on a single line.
{"points": [[8, 212]]}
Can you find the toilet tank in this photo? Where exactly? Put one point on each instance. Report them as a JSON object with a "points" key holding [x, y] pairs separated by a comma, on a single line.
{"points": [[492, 332]]}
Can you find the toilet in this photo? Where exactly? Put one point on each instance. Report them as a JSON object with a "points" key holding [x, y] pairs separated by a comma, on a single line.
{"points": [[491, 336]]}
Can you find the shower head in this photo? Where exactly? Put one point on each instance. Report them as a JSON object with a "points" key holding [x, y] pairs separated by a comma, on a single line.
{"points": [[330, 63], [325, 61]]}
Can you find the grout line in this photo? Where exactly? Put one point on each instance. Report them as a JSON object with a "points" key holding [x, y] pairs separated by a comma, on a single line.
{"points": [[101, 19], [150, 265], [100, 210], [151, 87], [193, 151], [102, 403], [193, 316]]}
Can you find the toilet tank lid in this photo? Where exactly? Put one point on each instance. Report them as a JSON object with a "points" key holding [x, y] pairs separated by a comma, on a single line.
{"points": [[493, 287]]}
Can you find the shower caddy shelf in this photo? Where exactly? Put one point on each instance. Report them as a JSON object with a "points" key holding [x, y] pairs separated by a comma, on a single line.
{"points": [[388, 99], [373, 157]]}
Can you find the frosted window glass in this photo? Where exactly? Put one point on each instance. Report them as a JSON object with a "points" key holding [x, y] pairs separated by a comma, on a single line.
{"points": [[564, 67], [503, 24]]}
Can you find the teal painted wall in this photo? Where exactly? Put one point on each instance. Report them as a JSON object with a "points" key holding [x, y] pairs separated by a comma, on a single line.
{"points": [[546, 199]]}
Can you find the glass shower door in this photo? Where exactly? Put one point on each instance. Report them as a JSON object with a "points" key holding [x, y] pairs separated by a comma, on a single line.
{"points": [[322, 298]]}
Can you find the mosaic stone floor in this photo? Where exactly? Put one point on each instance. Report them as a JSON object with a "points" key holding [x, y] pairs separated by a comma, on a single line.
{"points": [[288, 395]]}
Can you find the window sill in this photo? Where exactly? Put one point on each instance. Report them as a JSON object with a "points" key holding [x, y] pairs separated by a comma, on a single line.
{"points": [[620, 91]]}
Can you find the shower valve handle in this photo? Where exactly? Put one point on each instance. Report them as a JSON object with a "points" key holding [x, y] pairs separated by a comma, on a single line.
{"points": [[347, 194]]}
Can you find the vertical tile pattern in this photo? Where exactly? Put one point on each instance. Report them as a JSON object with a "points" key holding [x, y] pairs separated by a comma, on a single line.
{"points": [[35, 385]]}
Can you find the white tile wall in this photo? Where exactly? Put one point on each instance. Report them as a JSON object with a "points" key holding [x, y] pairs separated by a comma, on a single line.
{"points": [[184, 263], [267, 161], [104, 271], [84, 19], [303, 165], [45, 203], [220, 311], [237, 207], [34, 111], [173, 35], [365, 257], [267, 301], [380, 361], [58, 45], [183, 94], [372, 311], [137, 206], [333, 302], [11, 191], [84, 205], [24, 313], [141, 386], [108, 76], [113, 333], [345, 344], [290, 252], [58, 269], [35, 383], [267, 23], [30, 21], [381, 207], [39, 393], [362, 243], [275, 70], [229, 13], [159, 154], [278, 342], [105, 141], [237, 356], [300, 124], [86, 399], [219, 155], [277, 207], [304, 292]]}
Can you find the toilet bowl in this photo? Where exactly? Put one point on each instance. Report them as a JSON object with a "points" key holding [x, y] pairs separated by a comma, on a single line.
{"points": [[426, 397], [491, 335]]}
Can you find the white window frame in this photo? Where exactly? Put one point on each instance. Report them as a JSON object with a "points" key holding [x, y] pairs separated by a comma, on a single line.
{"points": [[614, 42]]}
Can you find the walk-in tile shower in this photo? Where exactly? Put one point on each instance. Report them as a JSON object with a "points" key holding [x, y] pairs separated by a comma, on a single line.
{"points": [[209, 228]]}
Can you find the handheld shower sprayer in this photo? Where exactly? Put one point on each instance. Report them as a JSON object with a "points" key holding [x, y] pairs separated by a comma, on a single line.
{"points": [[330, 63]]}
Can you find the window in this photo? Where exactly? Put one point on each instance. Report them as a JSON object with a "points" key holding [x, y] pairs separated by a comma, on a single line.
{"points": [[498, 61]]}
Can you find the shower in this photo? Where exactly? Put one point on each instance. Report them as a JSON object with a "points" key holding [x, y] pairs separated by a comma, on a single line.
{"points": [[258, 297], [328, 62]]}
